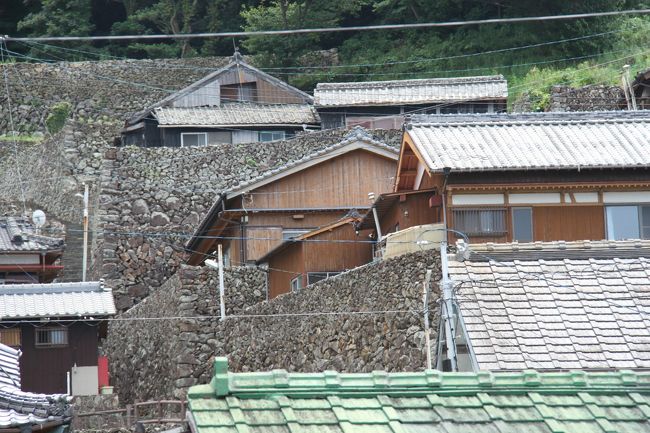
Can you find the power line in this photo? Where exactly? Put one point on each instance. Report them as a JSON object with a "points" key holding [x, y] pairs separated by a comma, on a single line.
{"points": [[332, 29]]}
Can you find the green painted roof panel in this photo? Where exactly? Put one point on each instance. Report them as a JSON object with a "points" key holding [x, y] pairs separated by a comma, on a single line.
{"points": [[427, 402]]}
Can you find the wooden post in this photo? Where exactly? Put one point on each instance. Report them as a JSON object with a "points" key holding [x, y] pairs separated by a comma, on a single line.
{"points": [[160, 411], [129, 409], [222, 301]]}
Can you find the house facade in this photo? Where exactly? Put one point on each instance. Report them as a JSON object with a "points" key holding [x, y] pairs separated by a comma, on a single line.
{"points": [[384, 104], [534, 177], [25, 255], [258, 215], [316, 255], [237, 103], [60, 324]]}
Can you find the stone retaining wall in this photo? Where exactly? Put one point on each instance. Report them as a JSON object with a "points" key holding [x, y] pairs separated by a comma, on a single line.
{"points": [[363, 320]]}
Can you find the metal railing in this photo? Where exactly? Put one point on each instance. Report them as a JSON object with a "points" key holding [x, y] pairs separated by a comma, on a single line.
{"points": [[145, 412]]}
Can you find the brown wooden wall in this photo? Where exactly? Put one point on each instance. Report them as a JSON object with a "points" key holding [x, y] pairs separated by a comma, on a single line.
{"points": [[318, 255], [44, 370], [551, 223], [419, 213], [267, 92], [342, 181]]}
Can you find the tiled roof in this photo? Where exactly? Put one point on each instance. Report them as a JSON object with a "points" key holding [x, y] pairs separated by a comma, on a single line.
{"points": [[16, 234], [399, 92], [430, 401], [532, 141], [9, 366], [238, 114], [22, 301], [19, 408], [582, 312]]}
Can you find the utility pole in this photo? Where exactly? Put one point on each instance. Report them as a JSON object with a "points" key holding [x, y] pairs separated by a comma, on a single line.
{"points": [[222, 301], [627, 88], [448, 311], [427, 331], [85, 223]]}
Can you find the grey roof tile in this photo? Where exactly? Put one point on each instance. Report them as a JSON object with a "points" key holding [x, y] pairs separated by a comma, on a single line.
{"points": [[399, 92], [571, 319], [20, 301], [18, 235]]}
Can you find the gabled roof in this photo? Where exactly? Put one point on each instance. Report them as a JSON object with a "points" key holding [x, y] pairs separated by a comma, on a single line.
{"points": [[234, 114], [237, 63], [28, 301], [18, 235], [357, 139], [18, 408], [426, 401], [400, 92], [540, 141], [536, 309]]}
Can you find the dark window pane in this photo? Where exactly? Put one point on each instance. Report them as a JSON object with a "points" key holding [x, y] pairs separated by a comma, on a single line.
{"points": [[522, 224]]}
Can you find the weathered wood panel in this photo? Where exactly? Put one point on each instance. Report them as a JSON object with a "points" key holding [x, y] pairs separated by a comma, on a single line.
{"points": [[329, 251], [208, 95], [260, 240], [413, 211], [270, 93], [344, 181], [284, 267], [569, 223]]}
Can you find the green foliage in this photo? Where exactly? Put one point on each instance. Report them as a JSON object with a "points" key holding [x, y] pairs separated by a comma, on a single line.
{"points": [[59, 113]]}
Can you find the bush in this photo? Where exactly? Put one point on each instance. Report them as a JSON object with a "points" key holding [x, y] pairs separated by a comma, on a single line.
{"points": [[59, 113]]}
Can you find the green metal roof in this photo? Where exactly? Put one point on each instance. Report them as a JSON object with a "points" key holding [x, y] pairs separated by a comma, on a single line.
{"points": [[431, 401]]}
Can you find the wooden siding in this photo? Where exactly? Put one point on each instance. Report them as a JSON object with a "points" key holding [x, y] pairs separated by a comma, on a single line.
{"points": [[342, 181], [316, 254], [266, 91], [285, 266], [414, 210], [274, 223], [44, 369], [207, 95], [569, 223]]}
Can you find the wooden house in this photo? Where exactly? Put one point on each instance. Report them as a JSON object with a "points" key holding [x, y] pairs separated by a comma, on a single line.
{"points": [[384, 104], [316, 255], [60, 325], [234, 104], [532, 177], [258, 215], [25, 256]]}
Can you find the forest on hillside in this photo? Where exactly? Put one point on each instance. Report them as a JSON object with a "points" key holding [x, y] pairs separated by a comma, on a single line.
{"points": [[578, 51]]}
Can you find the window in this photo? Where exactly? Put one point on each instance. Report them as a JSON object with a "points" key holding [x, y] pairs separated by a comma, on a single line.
{"points": [[194, 139], [522, 224], [48, 337], [239, 92], [481, 222], [628, 222], [271, 135], [296, 284], [293, 233], [10, 337], [314, 277]]}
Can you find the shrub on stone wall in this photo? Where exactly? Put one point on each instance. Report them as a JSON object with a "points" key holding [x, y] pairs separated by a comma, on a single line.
{"points": [[59, 113]]}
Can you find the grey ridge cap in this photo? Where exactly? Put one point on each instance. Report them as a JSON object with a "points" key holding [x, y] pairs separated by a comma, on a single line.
{"points": [[532, 141], [350, 142]]}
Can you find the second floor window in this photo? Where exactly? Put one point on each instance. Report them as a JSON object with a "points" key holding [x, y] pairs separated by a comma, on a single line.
{"points": [[51, 337], [627, 222], [480, 222]]}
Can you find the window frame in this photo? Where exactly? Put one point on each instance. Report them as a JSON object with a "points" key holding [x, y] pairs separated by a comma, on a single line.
{"points": [[63, 329], [259, 136], [296, 284], [298, 231], [328, 274], [503, 230], [639, 212], [204, 134], [532, 222]]}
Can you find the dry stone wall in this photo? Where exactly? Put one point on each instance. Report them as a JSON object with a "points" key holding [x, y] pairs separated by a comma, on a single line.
{"points": [[152, 200], [369, 318]]}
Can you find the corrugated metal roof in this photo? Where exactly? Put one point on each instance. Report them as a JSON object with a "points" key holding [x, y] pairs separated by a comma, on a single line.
{"points": [[539, 141], [16, 234], [238, 114], [21, 301], [400, 92], [417, 402], [554, 313]]}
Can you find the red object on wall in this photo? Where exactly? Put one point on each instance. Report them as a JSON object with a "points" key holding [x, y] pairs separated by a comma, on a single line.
{"points": [[102, 371]]}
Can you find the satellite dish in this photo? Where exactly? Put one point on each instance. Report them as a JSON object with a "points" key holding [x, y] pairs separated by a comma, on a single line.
{"points": [[38, 218]]}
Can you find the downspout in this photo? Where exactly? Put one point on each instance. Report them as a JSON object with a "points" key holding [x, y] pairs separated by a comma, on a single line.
{"points": [[446, 171], [448, 313]]}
